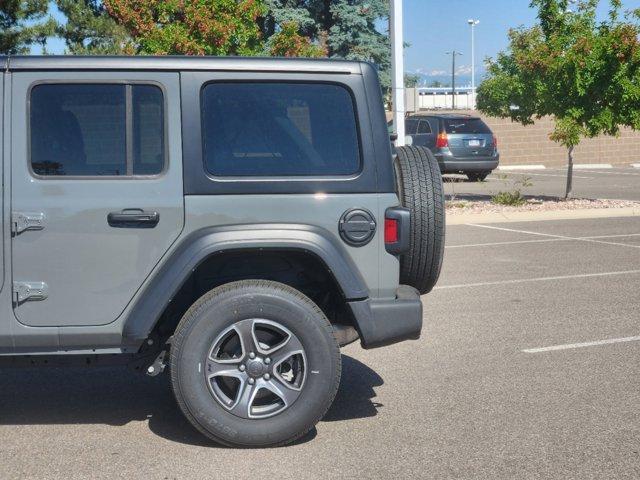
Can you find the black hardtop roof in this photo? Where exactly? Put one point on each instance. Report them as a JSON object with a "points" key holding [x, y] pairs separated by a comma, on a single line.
{"points": [[179, 63]]}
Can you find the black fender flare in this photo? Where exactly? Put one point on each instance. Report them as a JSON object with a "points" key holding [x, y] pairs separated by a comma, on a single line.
{"points": [[194, 248]]}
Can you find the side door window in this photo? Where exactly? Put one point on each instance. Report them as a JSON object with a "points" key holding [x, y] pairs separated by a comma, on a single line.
{"points": [[96, 130]]}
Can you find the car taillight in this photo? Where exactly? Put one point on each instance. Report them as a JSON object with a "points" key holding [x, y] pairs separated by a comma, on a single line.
{"points": [[397, 230], [390, 230], [442, 141], [495, 142]]}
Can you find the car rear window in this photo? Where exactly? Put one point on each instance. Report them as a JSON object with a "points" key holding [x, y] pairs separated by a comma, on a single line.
{"points": [[465, 125], [279, 129]]}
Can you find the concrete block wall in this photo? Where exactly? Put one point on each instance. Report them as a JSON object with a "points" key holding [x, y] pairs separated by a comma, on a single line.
{"points": [[520, 145]]}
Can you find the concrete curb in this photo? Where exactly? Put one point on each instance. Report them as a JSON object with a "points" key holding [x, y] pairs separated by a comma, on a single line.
{"points": [[512, 217], [522, 167]]}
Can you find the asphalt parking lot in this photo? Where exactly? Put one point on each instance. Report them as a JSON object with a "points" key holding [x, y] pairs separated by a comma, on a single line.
{"points": [[480, 395], [611, 183]]}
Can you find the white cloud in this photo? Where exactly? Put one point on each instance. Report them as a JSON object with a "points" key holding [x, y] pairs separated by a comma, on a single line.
{"points": [[436, 73]]}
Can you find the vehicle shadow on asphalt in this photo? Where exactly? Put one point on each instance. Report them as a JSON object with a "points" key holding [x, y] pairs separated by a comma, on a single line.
{"points": [[116, 396]]}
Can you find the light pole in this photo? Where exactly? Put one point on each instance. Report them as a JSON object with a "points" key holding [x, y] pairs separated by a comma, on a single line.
{"points": [[397, 69], [453, 77], [473, 24]]}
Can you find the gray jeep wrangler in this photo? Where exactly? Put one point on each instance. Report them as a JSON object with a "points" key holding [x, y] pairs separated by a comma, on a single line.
{"points": [[236, 220]]}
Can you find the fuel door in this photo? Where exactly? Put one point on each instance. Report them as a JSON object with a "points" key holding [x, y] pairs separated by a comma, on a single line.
{"points": [[357, 227]]}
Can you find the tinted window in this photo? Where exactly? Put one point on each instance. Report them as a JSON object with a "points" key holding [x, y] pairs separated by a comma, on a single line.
{"points": [[148, 128], [466, 125], [411, 126], [269, 129], [81, 130], [424, 127]]}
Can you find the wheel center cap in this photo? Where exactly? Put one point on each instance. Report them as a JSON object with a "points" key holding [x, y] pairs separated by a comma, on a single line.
{"points": [[255, 368]]}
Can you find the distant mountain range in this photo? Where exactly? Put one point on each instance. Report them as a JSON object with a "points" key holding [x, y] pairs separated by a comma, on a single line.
{"points": [[463, 77]]}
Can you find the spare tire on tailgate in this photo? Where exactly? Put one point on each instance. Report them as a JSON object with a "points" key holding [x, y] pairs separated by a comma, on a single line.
{"points": [[420, 190]]}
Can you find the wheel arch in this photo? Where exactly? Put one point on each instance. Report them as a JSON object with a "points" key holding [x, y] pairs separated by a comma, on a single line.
{"points": [[208, 244]]}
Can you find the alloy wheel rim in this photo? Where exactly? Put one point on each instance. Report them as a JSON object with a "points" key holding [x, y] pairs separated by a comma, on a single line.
{"points": [[256, 368]]}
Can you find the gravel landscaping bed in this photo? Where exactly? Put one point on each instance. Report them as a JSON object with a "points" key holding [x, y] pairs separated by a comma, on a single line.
{"points": [[460, 206]]}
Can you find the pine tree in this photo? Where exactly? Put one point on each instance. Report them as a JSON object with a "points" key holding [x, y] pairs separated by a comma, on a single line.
{"points": [[89, 30], [22, 24], [282, 12], [352, 33], [344, 28], [289, 30]]}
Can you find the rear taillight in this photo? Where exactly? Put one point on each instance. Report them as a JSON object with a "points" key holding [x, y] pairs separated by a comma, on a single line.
{"points": [[390, 230], [397, 230], [495, 142], [442, 141]]}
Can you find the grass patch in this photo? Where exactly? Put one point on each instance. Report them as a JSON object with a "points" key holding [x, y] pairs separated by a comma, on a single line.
{"points": [[458, 204], [512, 199]]}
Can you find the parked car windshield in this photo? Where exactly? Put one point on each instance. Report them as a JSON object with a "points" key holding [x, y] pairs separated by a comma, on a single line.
{"points": [[465, 125]]}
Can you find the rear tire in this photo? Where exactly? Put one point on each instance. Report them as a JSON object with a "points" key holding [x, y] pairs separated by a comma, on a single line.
{"points": [[420, 190], [477, 177], [228, 359]]}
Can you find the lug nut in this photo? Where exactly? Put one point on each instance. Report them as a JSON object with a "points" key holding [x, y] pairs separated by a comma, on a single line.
{"points": [[267, 360], [251, 381], [242, 368], [267, 376], [252, 355]]}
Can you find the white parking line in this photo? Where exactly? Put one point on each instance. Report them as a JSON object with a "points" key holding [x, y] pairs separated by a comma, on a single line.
{"points": [[533, 166], [565, 237], [591, 166], [546, 240], [569, 346], [492, 244], [613, 171], [538, 279], [547, 175]]}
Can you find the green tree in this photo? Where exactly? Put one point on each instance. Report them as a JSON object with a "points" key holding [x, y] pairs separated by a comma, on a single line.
{"points": [[344, 28], [22, 24], [90, 30], [411, 80], [199, 27], [582, 71], [287, 42], [281, 12], [353, 34]]}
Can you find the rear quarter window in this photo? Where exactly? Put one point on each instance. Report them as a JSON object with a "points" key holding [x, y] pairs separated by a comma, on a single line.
{"points": [[279, 129], [411, 126], [466, 125], [424, 127]]}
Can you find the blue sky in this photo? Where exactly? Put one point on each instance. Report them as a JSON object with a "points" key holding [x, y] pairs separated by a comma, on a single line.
{"points": [[433, 27]]}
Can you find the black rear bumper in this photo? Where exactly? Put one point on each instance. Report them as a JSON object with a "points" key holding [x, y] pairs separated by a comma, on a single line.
{"points": [[475, 164], [383, 322]]}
